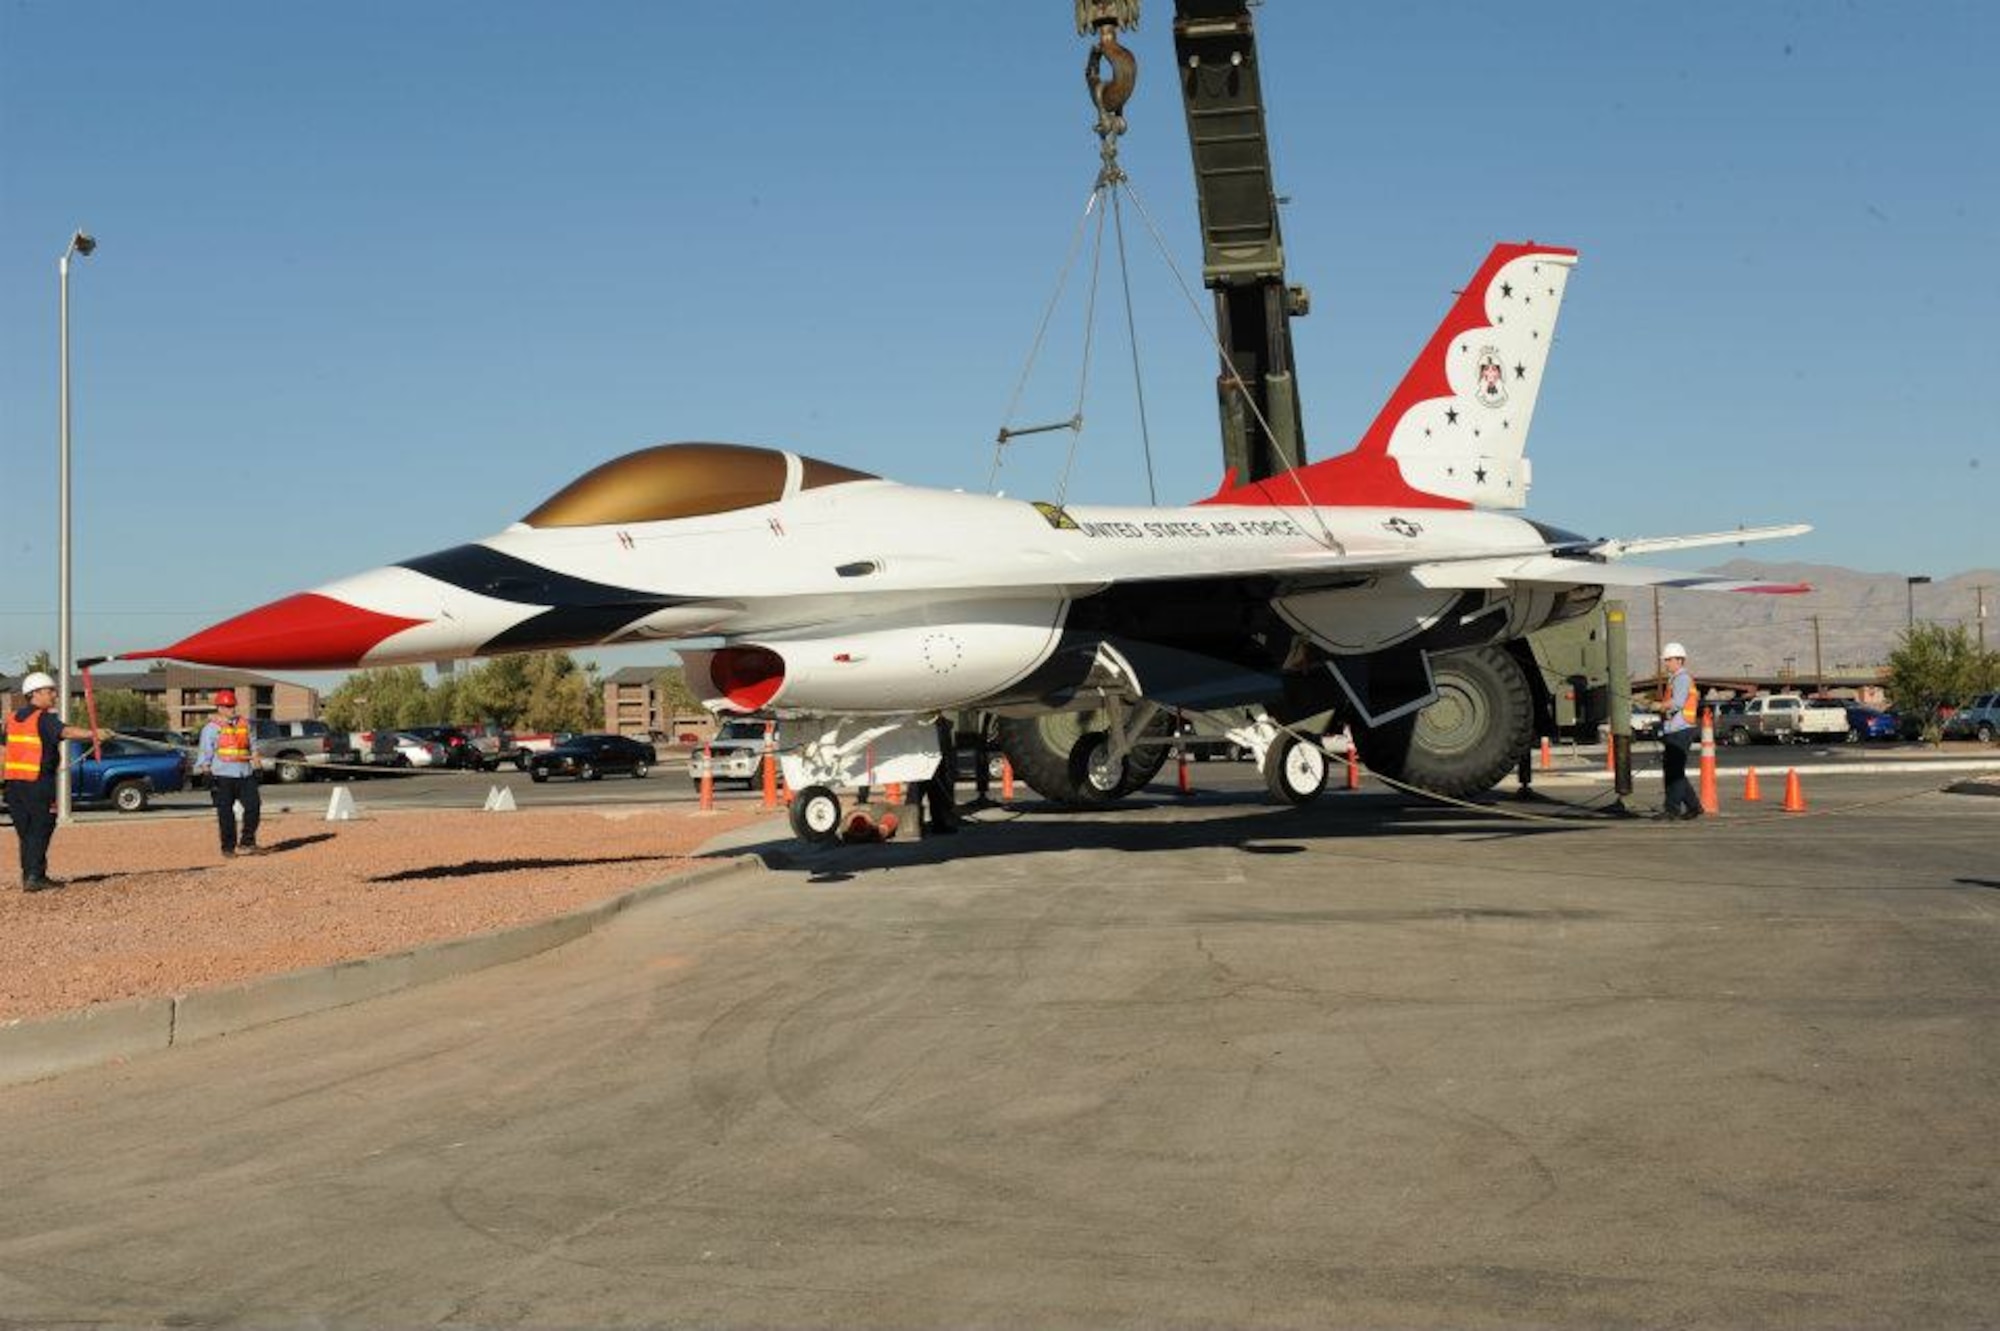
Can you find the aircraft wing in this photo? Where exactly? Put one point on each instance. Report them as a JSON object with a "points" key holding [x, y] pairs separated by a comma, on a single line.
{"points": [[1570, 570], [1595, 564]]}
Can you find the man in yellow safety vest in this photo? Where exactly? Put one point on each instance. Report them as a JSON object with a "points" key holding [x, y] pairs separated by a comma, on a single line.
{"points": [[227, 755], [35, 736]]}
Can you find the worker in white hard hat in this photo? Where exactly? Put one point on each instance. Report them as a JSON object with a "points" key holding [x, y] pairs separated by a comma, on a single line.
{"points": [[35, 736], [1680, 708]]}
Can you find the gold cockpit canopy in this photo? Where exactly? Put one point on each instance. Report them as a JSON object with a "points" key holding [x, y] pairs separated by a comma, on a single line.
{"points": [[681, 481]]}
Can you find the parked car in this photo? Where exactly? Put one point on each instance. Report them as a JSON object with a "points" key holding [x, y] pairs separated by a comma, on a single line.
{"points": [[588, 757], [1783, 717], [290, 750], [1978, 719], [1870, 723], [496, 744], [127, 773], [399, 748], [460, 749], [735, 754]]}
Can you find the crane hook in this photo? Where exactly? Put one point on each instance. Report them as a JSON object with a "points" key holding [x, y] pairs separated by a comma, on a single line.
{"points": [[1109, 97]]}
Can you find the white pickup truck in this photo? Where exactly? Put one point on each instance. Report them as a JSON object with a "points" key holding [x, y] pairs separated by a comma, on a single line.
{"points": [[1784, 717]]}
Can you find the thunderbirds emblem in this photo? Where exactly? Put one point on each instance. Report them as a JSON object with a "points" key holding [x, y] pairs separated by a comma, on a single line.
{"points": [[1492, 390]]}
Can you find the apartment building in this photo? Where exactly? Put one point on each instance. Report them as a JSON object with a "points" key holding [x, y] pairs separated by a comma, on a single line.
{"points": [[635, 706], [186, 694]]}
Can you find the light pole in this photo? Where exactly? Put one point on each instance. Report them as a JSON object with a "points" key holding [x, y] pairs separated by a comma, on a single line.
{"points": [[1910, 594], [80, 243]]}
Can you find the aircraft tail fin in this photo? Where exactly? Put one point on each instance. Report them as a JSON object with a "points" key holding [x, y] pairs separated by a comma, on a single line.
{"points": [[1454, 434]]}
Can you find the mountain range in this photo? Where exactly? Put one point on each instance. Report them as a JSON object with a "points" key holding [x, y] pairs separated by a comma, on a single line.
{"points": [[1860, 617]]}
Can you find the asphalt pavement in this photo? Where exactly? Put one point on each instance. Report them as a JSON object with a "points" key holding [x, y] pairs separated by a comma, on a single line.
{"points": [[1194, 1062]]}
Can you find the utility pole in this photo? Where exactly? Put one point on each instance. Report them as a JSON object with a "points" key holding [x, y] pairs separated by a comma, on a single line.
{"points": [[1819, 670], [1659, 643]]}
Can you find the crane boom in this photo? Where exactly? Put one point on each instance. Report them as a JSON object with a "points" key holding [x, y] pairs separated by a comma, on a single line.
{"points": [[1243, 252]]}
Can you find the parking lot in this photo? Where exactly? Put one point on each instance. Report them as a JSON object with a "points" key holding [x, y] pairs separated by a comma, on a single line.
{"points": [[1192, 1062]]}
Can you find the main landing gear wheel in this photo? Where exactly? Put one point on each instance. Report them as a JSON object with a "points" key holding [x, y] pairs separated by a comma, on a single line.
{"points": [[1043, 751], [816, 815], [1094, 775], [1473, 735], [1295, 770]]}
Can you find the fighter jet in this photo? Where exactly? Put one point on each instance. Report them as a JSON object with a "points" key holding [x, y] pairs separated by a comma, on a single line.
{"points": [[1369, 584]]}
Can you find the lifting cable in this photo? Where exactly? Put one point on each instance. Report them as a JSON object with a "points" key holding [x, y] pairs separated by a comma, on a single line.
{"points": [[1109, 97]]}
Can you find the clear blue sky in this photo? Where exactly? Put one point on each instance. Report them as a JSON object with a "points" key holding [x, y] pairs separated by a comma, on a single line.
{"points": [[374, 278]]}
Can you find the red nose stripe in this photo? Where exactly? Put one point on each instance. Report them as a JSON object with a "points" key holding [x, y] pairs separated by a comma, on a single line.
{"points": [[303, 632]]}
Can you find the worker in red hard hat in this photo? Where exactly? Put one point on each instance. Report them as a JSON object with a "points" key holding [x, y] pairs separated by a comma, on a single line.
{"points": [[227, 757], [35, 736]]}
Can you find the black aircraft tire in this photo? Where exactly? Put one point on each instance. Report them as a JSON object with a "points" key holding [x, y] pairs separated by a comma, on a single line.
{"points": [[1041, 749], [1466, 741]]}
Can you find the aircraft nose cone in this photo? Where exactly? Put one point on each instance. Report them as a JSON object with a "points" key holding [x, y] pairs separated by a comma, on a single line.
{"points": [[304, 632]]}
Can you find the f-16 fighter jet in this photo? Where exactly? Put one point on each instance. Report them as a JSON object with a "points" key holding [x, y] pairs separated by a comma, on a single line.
{"points": [[859, 609]]}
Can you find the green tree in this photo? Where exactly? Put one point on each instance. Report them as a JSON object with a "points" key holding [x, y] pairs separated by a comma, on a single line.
{"points": [[497, 691], [676, 698], [530, 691], [1934, 666], [123, 709], [562, 695], [385, 698]]}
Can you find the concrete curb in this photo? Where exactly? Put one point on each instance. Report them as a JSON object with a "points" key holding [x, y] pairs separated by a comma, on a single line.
{"points": [[35, 1048]]}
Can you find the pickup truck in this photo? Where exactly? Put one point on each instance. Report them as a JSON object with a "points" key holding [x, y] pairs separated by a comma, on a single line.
{"points": [[1784, 717], [290, 750], [735, 754]]}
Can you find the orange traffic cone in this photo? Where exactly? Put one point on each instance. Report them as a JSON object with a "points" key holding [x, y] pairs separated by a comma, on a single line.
{"points": [[1353, 769], [1548, 759], [707, 779], [1752, 794], [1006, 779], [1711, 802], [1795, 799], [1186, 785], [770, 768]]}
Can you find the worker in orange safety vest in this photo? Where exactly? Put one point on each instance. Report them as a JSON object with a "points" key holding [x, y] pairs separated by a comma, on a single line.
{"points": [[35, 736], [226, 754], [1680, 716]]}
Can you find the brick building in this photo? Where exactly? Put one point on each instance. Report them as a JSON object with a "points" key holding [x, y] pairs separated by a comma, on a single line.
{"points": [[635, 706], [187, 693]]}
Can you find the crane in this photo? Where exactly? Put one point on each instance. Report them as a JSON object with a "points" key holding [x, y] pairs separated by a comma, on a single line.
{"points": [[1243, 251]]}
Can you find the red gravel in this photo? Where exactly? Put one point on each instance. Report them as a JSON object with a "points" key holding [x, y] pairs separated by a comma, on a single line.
{"points": [[152, 908]]}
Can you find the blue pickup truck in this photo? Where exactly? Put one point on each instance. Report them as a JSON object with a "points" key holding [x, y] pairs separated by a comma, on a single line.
{"points": [[127, 775]]}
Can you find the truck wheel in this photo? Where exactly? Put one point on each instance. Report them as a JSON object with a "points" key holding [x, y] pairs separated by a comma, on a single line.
{"points": [[1295, 770], [816, 815], [1985, 732], [129, 796], [520, 762], [291, 769], [1473, 735], [639, 769], [1738, 737], [587, 771]]}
